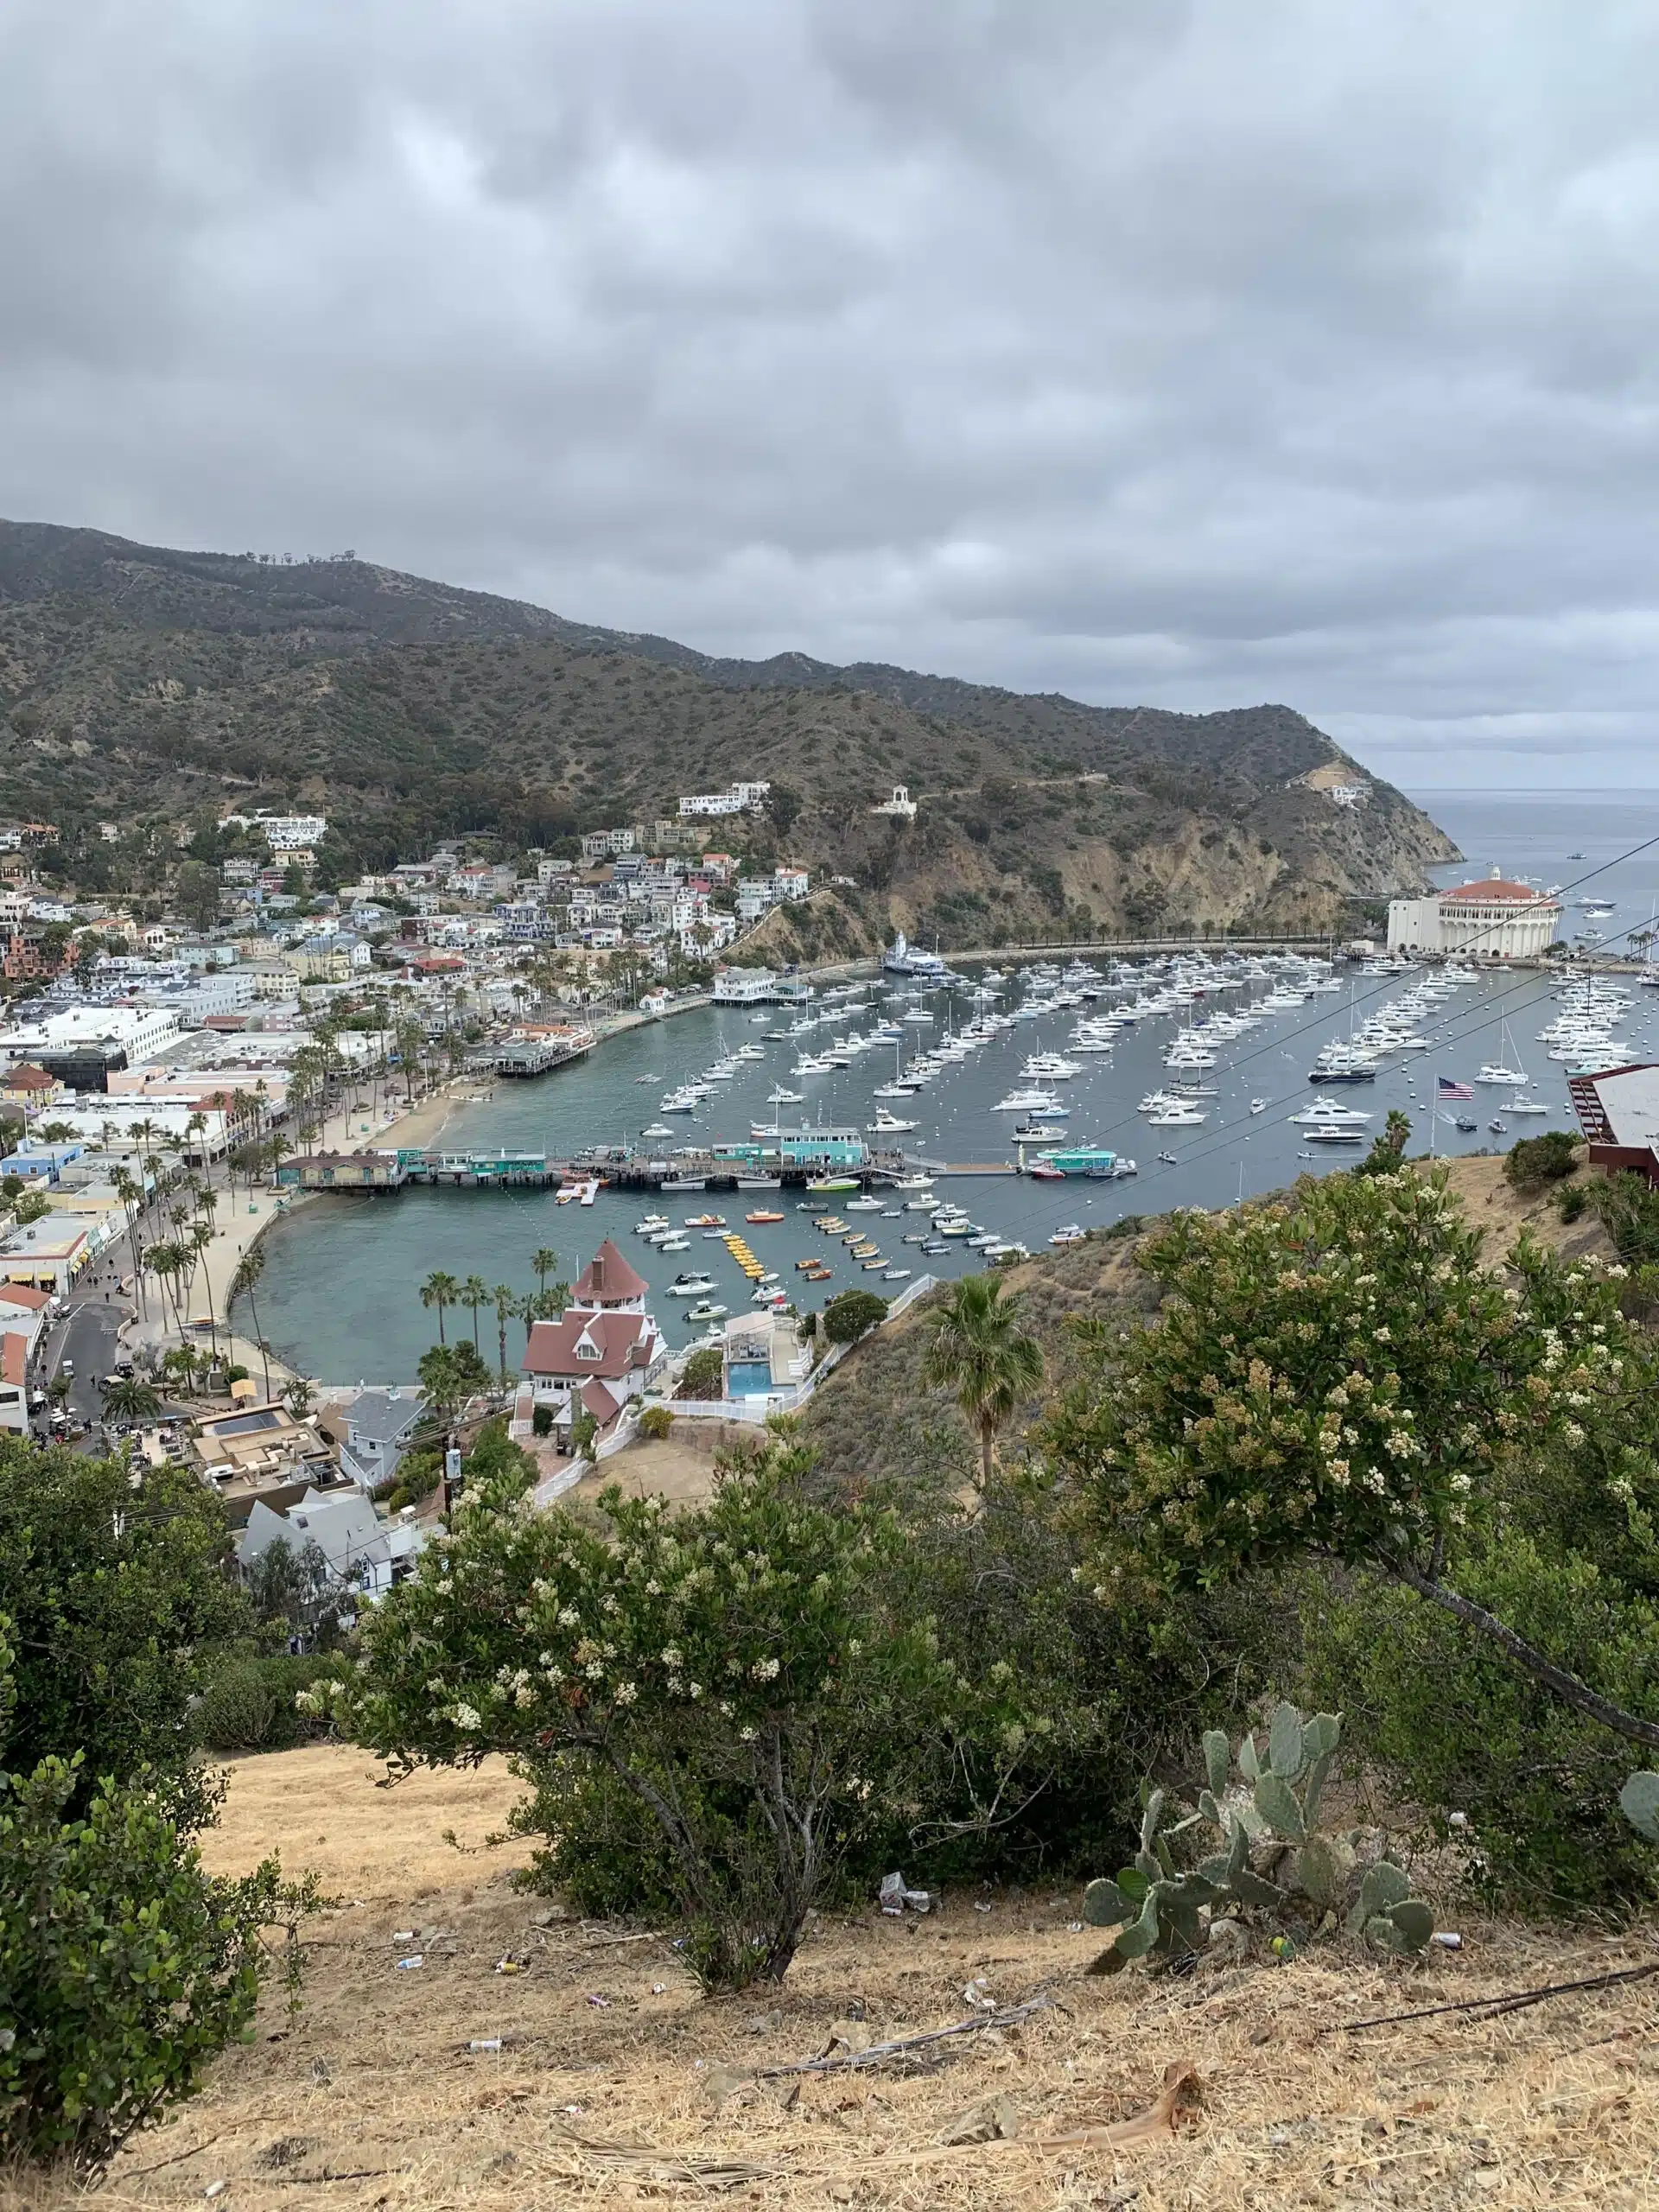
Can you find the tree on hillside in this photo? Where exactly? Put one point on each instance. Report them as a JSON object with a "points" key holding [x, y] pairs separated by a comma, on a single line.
{"points": [[977, 1350], [851, 1315], [196, 894], [1335, 1375]]}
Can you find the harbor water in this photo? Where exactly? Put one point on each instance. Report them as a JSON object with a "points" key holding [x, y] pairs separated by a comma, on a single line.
{"points": [[340, 1295]]}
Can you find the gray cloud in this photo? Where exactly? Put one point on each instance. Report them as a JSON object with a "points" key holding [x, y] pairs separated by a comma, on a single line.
{"points": [[1168, 351]]}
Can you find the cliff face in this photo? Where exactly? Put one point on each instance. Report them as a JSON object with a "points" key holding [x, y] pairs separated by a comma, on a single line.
{"points": [[137, 681]]}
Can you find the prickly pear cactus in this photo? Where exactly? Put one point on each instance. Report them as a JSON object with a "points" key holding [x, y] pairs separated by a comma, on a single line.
{"points": [[1639, 1802], [1158, 1910]]}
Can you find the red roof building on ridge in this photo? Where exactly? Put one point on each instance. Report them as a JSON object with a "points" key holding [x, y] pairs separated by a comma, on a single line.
{"points": [[607, 1281]]}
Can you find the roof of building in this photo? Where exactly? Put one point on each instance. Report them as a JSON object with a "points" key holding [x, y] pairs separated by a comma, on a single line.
{"points": [[1494, 890], [622, 1341], [24, 1294], [607, 1278], [26, 1077], [599, 1403], [1619, 1107], [14, 1357], [382, 1416]]}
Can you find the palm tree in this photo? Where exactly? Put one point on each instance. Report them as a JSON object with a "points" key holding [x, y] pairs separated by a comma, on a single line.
{"points": [[249, 1268], [440, 1290], [506, 1306], [542, 1261], [127, 1399], [977, 1350], [199, 1239], [474, 1293]]}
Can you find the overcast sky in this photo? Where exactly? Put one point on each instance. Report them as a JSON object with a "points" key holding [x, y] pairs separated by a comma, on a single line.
{"points": [[1194, 353]]}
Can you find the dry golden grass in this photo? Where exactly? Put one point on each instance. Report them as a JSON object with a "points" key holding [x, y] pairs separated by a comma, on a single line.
{"points": [[372, 2099]]}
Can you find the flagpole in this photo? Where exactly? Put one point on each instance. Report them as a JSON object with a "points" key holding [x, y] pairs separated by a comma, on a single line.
{"points": [[1434, 1117]]}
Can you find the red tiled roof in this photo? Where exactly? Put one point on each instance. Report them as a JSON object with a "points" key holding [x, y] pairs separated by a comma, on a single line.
{"points": [[607, 1278], [1493, 890], [14, 1357], [24, 1294], [623, 1339], [598, 1402], [26, 1077]]}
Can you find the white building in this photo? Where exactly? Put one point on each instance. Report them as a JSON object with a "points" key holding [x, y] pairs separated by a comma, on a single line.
{"points": [[901, 806], [745, 987], [140, 1032], [284, 833], [1489, 918], [597, 843], [740, 798]]}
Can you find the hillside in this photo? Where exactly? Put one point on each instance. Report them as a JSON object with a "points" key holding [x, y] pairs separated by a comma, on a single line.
{"points": [[876, 1417], [372, 2097], [140, 681]]}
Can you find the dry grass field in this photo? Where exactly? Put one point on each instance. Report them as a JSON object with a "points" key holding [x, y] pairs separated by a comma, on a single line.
{"points": [[616, 2085]]}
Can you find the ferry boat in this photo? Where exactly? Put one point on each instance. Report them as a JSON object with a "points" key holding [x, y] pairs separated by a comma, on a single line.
{"points": [[1095, 1159]]}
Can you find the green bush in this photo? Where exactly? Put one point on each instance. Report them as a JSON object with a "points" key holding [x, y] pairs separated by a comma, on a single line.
{"points": [[655, 1423], [1628, 1208], [541, 1420], [749, 1670], [249, 1704], [1547, 1158], [125, 1968], [852, 1315], [1571, 1200], [1450, 1726], [704, 1374], [123, 1610]]}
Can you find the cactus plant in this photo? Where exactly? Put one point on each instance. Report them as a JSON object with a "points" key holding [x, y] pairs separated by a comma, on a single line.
{"points": [[1158, 1908], [1639, 1802]]}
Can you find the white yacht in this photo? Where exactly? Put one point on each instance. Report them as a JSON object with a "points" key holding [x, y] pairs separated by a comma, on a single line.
{"points": [[1325, 1113], [889, 1125]]}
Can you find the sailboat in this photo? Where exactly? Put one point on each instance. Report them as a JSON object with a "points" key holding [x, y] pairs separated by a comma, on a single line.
{"points": [[1507, 1070]]}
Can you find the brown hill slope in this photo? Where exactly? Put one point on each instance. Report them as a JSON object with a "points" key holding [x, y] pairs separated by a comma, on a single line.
{"points": [[372, 2097], [141, 681]]}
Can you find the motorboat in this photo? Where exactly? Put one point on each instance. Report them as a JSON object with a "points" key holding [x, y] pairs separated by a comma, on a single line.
{"points": [[758, 1217], [658, 1130], [1336, 1136], [1037, 1132], [676, 1242], [914, 1183], [1525, 1106], [866, 1204], [694, 1285], [653, 1224], [895, 1274], [705, 1221], [1071, 1233], [886, 1124], [1258, 1105], [1325, 1113], [1168, 1160], [707, 1312]]}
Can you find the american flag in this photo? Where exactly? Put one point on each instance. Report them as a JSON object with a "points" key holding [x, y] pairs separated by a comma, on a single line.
{"points": [[1445, 1090]]}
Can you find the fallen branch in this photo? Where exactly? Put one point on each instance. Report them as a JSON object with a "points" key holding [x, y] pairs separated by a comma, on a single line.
{"points": [[1515, 2001], [1009, 2017]]}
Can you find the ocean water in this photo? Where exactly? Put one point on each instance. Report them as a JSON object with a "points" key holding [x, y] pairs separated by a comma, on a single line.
{"points": [[340, 1295]]}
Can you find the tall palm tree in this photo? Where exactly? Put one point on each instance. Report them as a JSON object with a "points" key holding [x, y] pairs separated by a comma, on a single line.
{"points": [[542, 1260], [506, 1306], [199, 1239], [249, 1268], [126, 1398], [474, 1293], [978, 1351], [440, 1290]]}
